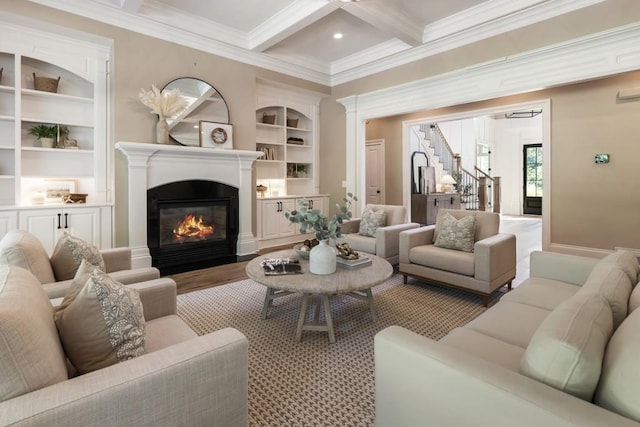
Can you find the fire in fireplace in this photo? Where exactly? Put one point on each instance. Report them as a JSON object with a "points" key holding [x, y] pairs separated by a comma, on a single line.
{"points": [[191, 225]]}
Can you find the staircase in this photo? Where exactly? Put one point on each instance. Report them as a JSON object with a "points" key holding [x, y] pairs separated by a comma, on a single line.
{"points": [[477, 193]]}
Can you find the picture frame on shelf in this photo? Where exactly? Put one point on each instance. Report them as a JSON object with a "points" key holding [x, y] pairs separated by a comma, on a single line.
{"points": [[56, 191], [216, 135]]}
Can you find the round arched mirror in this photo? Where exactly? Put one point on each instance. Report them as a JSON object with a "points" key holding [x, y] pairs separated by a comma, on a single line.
{"points": [[204, 103]]}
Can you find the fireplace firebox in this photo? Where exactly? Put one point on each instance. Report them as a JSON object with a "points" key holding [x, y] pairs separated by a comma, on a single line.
{"points": [[191, 225]]}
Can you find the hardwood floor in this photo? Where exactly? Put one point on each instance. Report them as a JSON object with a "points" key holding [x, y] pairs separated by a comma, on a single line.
{"points": [[528, 231]]}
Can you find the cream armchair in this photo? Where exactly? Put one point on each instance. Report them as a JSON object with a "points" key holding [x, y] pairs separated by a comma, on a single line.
{"points": [[491, 265], [385, 242], [182, 379]]}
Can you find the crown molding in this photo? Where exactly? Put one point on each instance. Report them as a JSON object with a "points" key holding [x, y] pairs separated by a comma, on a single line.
{"points": [[537, 13], [389, 20], [602, 54], [235, 45]]}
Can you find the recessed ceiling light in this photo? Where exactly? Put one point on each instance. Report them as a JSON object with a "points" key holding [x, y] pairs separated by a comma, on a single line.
{"points": [[337, 36]]}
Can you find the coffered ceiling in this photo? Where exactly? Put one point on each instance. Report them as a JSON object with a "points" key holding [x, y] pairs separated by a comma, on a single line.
{"points": [[296, 37]]}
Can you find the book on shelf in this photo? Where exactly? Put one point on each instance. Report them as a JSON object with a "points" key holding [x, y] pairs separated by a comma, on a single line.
{"points": [[361, 261]]}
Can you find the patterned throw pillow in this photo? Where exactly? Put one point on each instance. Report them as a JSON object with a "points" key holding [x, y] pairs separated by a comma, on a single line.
{"points": [[457, 234], [370, 222], [69, 253], [102, 325]]}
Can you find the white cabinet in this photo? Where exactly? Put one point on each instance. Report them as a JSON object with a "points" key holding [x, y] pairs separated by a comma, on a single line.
{"points": [[272, 222], [274, 228], [86, 223], [8, 221], [79, 105]]}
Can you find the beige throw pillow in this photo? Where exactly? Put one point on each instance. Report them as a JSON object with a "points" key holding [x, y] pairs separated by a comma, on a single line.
{"points": [[69, 253], [457, 234], [567, 349], [23, 249], [101, 324], [371, 220]]}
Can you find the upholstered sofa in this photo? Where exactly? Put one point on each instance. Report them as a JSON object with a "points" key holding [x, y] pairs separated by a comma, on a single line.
{"points": [[384, 239], [181, 379], [23, 249], [489, 264], [561, 349]]}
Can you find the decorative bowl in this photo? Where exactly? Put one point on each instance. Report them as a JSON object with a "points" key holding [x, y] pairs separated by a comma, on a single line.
{"points": [[302, 253]]}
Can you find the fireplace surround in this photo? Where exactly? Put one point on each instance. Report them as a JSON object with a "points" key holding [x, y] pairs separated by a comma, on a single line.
{"points": [[153, 165]]}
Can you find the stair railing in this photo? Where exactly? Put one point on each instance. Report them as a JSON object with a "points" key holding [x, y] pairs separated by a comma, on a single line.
{"points": [[468, 186], [488, 192], [440, 147]]}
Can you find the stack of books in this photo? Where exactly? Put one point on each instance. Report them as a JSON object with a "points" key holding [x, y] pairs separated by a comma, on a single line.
{"points": [[352, 264]]}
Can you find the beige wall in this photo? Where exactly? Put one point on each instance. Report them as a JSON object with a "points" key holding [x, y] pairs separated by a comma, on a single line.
{"points": [[138, 62], [594, 206]]}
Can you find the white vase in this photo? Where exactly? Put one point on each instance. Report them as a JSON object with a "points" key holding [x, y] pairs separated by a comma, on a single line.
{"points": [[162, 131], [322, 259]]}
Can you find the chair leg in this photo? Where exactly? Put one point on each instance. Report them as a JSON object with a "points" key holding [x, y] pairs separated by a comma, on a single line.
{"points": [[509, 284], [404, 278], [485, 300]]}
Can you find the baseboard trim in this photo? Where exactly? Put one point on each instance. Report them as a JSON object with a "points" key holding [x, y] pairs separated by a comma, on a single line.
{"points": [[579, 250]]}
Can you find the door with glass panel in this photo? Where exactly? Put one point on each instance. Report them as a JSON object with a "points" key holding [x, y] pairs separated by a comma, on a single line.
{"points": [[532, 169]]}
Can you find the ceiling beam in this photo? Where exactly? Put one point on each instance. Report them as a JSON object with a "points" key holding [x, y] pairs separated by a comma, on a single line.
{"points": [[287, 22], [132, 6], [386, 18]]}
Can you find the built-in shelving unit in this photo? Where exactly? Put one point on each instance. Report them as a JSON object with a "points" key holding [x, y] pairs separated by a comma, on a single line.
{"points": [[287, 134], [27, 169]]}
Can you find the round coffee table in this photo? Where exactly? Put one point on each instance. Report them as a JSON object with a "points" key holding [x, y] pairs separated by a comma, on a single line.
{"points": [[356, 283]]}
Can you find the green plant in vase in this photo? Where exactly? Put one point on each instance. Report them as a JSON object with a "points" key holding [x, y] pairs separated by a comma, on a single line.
{"points": [[45, 133], [322, 258]]}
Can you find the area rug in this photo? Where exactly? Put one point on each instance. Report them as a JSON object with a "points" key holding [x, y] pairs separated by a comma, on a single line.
{"points": [[313, 382]]}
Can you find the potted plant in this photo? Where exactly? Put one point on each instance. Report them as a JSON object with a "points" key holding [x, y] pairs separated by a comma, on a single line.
{"points": [[322, 258], [45, 134]]}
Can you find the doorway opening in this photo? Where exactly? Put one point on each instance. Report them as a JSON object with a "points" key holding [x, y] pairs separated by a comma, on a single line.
{"points": [[532, 170]]}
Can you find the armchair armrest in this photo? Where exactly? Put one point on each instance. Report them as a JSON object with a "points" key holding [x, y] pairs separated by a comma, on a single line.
{"points": [[388, 238], [116, 259], [495, 256], [419, 381], [414, 237], [158, 297], [202, 381], [572, 269], [350, 226]]}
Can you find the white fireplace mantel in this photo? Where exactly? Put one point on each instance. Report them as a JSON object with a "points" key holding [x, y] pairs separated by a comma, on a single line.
{"points": [[151, 165]]}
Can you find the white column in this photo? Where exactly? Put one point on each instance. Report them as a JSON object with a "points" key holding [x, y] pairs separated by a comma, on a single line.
{"points": [[137, 189], [246, 240]]}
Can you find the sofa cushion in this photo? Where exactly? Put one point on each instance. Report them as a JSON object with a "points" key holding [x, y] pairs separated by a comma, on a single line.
{"points": [[612, 283], [510, 322], [457, 234], [69, 253], [626, 261], [619, 386], [23, 249], [485, 347], [102, 325], [371, 220], [31, 356], [567, 350], [542, 293], [443, 259]]}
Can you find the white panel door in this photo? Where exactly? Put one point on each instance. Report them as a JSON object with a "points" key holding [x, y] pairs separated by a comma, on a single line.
{"points": [[375, 172]]}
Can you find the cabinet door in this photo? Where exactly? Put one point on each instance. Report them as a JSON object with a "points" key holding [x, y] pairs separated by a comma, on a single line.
{"points": [[45, 224], [83, 223], [433, 206], [274, 223], [48, 225], [8, 222]]}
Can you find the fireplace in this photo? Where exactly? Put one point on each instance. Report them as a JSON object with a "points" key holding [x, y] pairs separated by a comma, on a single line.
{"points": [[192, 224]]}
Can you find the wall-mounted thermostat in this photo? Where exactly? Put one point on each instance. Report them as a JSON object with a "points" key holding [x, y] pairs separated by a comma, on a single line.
{"points": [[602, 158]]}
